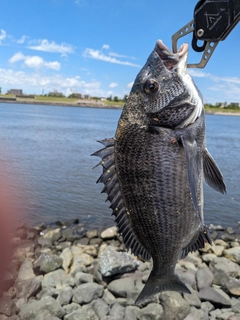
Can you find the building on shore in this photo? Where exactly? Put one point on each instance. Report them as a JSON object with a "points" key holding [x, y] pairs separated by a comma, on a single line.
{"points": [[15, 92], [55, 93]]}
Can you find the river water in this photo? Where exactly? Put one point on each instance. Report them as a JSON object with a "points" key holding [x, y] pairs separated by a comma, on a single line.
{"points": [[46, 151]]}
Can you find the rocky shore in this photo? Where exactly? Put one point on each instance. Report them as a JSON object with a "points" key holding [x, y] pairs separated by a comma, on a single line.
{"points": [[65, 272]]}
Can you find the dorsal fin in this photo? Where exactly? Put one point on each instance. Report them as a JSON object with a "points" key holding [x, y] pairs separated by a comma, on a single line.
{"points": [[111, 187]]}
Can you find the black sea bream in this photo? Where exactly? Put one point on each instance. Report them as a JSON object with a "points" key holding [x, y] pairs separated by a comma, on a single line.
{"points": [[153, 169]]}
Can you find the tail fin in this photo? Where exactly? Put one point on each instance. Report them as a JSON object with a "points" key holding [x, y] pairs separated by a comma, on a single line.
{"points": [[155, 285]]}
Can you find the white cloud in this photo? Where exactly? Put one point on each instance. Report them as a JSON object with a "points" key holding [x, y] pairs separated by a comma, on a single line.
{"points": [[117, 55], [34, 61], [106, 46], [113, 85], [224, 88], [34, 83], [98, 55], [3, 35], [46, 46], [22, 39]]}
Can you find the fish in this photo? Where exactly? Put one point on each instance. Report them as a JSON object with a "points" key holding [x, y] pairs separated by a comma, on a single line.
{"points": [[154, 168]]}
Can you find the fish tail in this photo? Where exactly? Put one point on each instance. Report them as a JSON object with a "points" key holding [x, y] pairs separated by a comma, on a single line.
{"points": [[155, 285]]}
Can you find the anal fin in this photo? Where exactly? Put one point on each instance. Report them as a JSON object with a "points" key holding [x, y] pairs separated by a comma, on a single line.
{"points": [[197, 242]]}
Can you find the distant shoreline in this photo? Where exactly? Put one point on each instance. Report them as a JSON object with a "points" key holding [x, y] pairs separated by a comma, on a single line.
{"points": [[94, 104], [84, 103]]}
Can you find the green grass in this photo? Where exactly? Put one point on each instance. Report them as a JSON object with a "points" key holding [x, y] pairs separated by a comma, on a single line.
{"points": [[7, 96], [56, 99], [113, 103], [222, 110]]}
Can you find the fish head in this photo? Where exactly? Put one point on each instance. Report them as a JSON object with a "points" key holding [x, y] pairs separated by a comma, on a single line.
{"points": [[164, 83]]}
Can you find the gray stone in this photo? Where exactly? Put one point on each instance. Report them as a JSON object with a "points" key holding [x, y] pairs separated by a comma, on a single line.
{"points": [[69, 308], [134, 293], [65, 296], [223, 264], [7, 306], [174, 306], [152, 311], [109, 233], [121, 287], [92, 234], [15, 317], [108, 297], [192, 299], [220, 278], [235, 305], [50, 317], [52, 235], [28, 288], [58, 279], [188, 277], [204, 277], [70, 235], [233, 286], [220, 242], [131, 313], [208, 257], [48, 291], [233, 254], [230, 230], [87, 292], [216, 227], [82, 259], [44, 242], [82, 314], [82, 277], [117, 311], [67, 256], [198, 314], [84, 241], [235, 317], [214, 296], [207, 306], [25, 249], [95, 241], [215, 313], [112, 262], [227, 237], [218, 250], [47, 263], [100, 307], [111, 318], [25, 271], [44, 307]]}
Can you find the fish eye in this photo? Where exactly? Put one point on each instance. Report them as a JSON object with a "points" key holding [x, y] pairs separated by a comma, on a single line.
{"points": [[150, 86]]}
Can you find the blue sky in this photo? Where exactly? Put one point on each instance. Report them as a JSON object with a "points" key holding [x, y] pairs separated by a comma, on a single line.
{"points": [[97, 47]]}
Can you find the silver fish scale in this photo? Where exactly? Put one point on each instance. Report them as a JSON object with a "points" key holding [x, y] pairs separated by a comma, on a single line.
{"points": [[153, 180]]}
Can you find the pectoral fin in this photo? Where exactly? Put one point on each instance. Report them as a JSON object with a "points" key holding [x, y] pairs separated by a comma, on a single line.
{"points": [[212, 174], [194, 169]]}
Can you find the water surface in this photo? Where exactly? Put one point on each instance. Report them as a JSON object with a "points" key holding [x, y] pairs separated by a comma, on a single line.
{"points": [[46, 151]]}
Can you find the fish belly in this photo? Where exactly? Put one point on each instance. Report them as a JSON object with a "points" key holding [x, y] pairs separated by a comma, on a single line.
{"points": [[153, 179]]}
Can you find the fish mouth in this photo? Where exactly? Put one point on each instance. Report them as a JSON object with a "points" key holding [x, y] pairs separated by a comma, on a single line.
{"points": [[171, 60]]}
